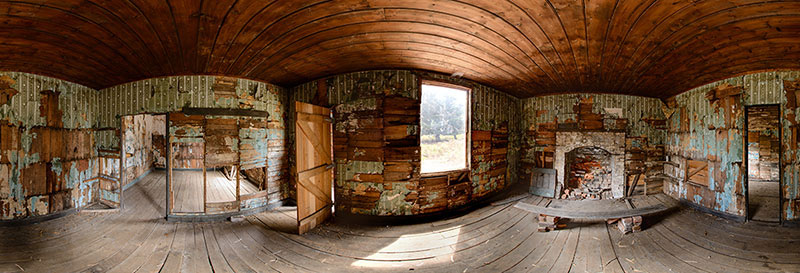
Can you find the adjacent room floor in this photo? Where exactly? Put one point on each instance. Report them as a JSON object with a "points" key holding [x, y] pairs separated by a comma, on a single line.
{"points": [[188, 188], [495, 238], [765, 200]]}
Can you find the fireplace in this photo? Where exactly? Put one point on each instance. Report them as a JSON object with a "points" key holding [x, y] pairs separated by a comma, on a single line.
{"points": [[590, 165], [588, 171]]}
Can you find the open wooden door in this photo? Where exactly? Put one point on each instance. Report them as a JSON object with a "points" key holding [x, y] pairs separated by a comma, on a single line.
{"points": [[314, 164]]}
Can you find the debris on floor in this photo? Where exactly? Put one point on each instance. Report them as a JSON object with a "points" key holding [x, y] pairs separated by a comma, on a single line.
{"points": [[549, 223], [630, 224]]}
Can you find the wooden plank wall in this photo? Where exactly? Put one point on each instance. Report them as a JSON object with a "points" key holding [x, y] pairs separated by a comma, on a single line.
{"points": [[707, 148], [376, 143], [790, 136], [249, 143], [359, 155], [47, 158], [489, 164], [140, 130], [707, 125], [642, 119], [221, 141], [170, 94], [763, 143], [186, 137]]}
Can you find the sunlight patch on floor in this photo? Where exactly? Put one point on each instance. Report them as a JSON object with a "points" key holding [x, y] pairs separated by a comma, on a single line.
{"points": [[412, 250]]}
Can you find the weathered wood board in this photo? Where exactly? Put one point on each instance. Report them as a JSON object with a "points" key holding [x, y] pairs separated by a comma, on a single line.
{"points": [[314, 162], [543, 182]]}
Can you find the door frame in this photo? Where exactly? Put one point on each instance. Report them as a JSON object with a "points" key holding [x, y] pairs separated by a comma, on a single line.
{"points": [[122, 181], [746, 149]]}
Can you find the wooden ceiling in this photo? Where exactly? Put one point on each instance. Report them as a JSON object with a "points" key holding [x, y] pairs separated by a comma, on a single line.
{"points": [[524, 47]]}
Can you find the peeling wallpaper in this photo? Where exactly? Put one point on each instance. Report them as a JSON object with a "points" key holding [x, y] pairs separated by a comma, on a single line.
{"points": [[77, 102], [641, 119], [695, 130], [385, 180], [45, 125], [538, 110], [701, 130], [170, 94], [90, 119]]}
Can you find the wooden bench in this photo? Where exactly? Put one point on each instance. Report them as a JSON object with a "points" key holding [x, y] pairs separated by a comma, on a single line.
{"points": [[628, 220]]}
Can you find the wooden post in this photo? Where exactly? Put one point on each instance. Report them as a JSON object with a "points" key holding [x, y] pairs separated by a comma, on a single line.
{"points": [[205, 179], [168, 145], [237, 166], [264, 179], [238, 195], [121, 180], [633, 185]]}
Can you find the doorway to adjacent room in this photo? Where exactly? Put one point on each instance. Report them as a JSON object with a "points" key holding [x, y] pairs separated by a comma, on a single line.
{"points": [[763, 146]]}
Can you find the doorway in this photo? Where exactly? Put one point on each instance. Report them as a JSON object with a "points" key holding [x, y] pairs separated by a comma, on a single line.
{"points": [[763, 149], [143, 147]]}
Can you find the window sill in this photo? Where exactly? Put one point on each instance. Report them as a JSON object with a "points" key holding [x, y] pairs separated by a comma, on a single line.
{"points": [[443, 173]]}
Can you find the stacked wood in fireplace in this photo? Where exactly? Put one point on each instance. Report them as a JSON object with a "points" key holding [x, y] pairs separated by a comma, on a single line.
{"points": [[589, 175], [586, 193]]}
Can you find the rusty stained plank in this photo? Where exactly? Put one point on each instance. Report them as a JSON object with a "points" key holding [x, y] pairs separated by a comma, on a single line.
{"points": [[254, 143], [221, 142]]}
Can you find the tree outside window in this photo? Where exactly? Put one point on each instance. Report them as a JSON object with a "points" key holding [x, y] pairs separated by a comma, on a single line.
{"points": [[444, 128]]}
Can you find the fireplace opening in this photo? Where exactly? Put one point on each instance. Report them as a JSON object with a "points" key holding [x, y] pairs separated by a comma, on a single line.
{"points": [[588, 174]]}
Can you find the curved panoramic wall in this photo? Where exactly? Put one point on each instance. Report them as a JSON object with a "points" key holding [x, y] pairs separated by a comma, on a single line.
{"points": [[49, 162], [256, 143], [584, 115], [382, 107], [701, 127], [60, 141], [706, 125]]}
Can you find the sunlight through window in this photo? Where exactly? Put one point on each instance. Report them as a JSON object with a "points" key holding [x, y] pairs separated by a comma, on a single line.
{"points": [[415, 250], [444, 128]]}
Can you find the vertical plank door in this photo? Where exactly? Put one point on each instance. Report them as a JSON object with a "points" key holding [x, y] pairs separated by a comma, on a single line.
{"points": [[314, 169]]}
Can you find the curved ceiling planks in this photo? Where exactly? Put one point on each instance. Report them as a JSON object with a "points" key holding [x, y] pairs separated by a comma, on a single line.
{"points": [[650, 48]]}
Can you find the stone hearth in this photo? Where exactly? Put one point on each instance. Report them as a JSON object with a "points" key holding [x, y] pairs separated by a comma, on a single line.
{"points": [[612, 143]]}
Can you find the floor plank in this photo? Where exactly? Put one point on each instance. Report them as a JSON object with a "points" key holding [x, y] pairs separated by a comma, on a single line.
{"points": [[495, 238]]}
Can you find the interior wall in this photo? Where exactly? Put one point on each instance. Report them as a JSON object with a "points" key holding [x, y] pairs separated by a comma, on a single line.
{"points": [[763, 143], [141, 153], [708, 127], [642, 119], [172, 94], [376, 143], [37, 179], [48, 160]]}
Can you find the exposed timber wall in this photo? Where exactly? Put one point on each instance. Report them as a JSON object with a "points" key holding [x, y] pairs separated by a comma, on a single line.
{"points": [[142, 146], [641, 119], [60, 140], [172, 94], [48, 160], [707, 141], [377, 143]]}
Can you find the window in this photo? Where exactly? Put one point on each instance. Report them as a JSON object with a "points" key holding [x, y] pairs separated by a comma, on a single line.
{"points": [[444, 128]]}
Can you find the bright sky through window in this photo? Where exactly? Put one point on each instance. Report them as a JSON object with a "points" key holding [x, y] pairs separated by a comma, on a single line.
{"points": [[443, 121]]}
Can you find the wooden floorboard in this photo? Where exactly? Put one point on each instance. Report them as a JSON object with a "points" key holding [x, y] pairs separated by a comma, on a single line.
{"points": [[188, 188], [495, 238]]}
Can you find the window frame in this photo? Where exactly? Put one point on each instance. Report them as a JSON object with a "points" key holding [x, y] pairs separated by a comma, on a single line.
{"points": [[467, 127]]}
